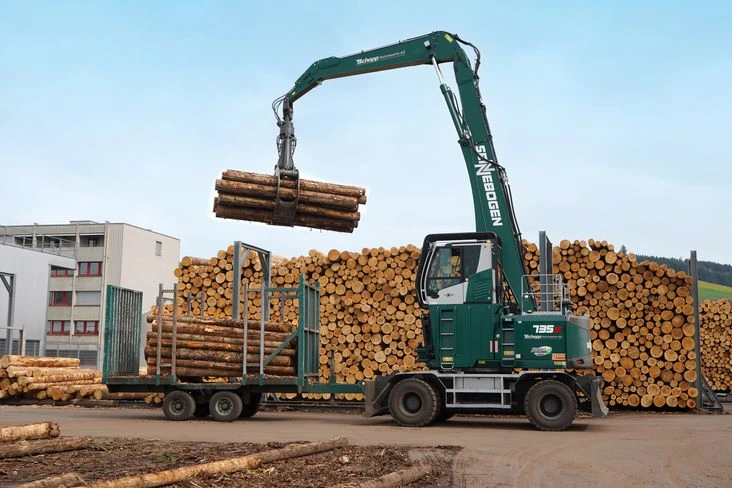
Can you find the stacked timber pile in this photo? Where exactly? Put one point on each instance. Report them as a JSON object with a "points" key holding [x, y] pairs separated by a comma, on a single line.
{"points": [[643, 324], [715, 317], [46, 377], [214, 347], [252, 196]]}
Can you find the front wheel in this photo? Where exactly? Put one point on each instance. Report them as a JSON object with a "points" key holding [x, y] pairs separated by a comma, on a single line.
{"points": [[225, 406], [413, 403], [550, 405]]}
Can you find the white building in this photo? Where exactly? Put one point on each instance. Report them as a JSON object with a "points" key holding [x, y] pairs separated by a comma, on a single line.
{"points": [[25, 276], [104, 254]]}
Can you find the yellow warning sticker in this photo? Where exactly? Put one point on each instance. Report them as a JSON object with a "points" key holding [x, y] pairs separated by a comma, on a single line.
{"points": [[448, 37]]}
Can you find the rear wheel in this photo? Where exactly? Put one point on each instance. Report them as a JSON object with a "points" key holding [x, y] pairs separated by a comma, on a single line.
{"points": [[251, 404], [550, 405], [413, 403], [225, 406], [178, 405]]}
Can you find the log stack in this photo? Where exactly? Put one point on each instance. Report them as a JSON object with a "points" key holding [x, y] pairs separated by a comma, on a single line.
{"points": [[643, 324], [252, 196], [48, 378], [214, 347], [715, 317]]}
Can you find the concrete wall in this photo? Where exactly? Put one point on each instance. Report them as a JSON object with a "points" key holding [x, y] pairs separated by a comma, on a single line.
{"points": [[32, 270], [141, 268]]}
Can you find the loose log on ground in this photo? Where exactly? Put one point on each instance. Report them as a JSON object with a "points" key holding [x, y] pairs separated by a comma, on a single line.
{"points": [[45, 446], [59, 481], [224, 466], [44, 430], [399, 478]]}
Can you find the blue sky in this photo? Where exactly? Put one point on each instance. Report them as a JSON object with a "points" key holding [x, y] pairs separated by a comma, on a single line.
{"points": [[612, 119]]}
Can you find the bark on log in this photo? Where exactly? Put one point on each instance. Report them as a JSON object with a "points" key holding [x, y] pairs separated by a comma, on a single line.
{"points": [[221, 346], [307, 185], [224, 466], [229, 200], [301, 220], [230, 324], [45, 446], [270, 338], [33, 361], [345, 203], [44, 430], [201, 370], [215, 356]]}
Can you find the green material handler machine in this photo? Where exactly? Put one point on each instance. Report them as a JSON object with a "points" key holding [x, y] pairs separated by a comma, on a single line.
{"points": [[495, 339]]}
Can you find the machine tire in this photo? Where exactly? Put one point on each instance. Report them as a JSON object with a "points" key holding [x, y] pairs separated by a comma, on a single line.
{"points": [[178, 405], [413, 403], [225, 406], [550, 405], [251, 404]]}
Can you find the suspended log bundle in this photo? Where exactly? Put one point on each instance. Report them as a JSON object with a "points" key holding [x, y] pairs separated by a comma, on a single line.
{"points": [[215, 347], [715, 317], [643, 324], [252, 196], [42, 378]]}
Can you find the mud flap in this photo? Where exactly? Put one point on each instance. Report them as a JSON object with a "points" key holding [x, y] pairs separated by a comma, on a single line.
{"points": [[590, 386], [376, 393]]}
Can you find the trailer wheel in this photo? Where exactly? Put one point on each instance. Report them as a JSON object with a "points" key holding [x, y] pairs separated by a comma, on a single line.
{"points": [[550, 405], [178, 405], [413, 403], [251, 404], [225, 406]]}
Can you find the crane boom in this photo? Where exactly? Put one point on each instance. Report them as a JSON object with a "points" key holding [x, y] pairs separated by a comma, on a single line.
{"points": [[489, 184]]}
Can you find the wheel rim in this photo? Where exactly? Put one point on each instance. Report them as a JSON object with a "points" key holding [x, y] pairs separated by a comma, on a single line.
{"points": [[177, 407], [224, 406], [550, 405], [412, 403]]}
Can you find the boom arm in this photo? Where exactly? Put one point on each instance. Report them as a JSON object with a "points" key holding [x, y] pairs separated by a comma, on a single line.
{"points": [[488, 181]]}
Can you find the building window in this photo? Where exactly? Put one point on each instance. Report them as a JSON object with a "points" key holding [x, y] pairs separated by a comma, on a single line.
{"points": [[60, 299], [58, 327], [86, 327], [61, 272], [93, 268], [88, 298], [158, 248]]}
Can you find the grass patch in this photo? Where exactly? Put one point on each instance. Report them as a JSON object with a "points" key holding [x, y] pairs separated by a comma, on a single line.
{"points": [[713, 291]]}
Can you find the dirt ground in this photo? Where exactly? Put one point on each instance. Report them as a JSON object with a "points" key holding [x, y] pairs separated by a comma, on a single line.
{"points": [[118, 457], [624, 449]]}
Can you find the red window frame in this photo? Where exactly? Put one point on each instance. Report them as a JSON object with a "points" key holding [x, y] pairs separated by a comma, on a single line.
{"points": [[65, 327], [85, 268], [57, 301], [88, 327], [61, 272]]}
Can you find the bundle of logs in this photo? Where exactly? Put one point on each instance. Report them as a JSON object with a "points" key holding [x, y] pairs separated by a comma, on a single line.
{"points": [[253, 196], [642, 313], [643, 325], [715, 317], [214, 347], [48, 377]]}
